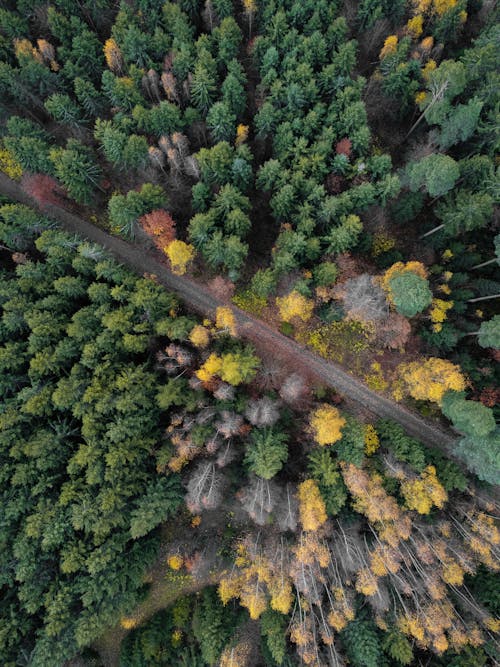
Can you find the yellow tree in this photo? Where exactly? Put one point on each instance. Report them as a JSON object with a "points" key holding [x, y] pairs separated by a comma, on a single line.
{"points": [[199, 336], [390, 46], [225, 320], [423, 492], [113, 55], [428, 380], [179, 254], [241, 134], [294, 305], [326, 423], [211, 367], [311, 505]]}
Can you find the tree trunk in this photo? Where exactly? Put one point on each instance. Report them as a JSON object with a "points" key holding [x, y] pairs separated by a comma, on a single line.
{"points": [[484, 298], [436, 229], [490, 261]]}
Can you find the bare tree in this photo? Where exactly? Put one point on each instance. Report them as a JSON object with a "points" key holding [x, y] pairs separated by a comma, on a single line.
{"points": [[292, 388], [259, 499], [287, 511], [262, 411], [363, 299], [204, 487]]}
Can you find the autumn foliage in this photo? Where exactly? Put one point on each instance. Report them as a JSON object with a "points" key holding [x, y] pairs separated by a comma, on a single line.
{"points": [[311, 505], [180, 254], [160, 226], [326, 423], [428, 380], [294, 305]]}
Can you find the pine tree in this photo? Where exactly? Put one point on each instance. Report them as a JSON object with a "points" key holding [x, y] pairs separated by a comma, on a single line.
{"points": [[267, 452]]}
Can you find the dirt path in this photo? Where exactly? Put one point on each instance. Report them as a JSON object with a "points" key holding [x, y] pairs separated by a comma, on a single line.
{"points": [[265, 339]]}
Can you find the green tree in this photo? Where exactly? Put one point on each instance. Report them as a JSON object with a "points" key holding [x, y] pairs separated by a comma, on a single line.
{"points": [[345, 236], [267, 452], [203, 88], [273, 631], [436, 173], [480, 455], [221, 122], [410, 293], [362, 644], [324, 470], [405, 448], [125, 210], [62, 109], [77, 170], [213, 625], [160, 500], [463, 211], [469, 417], [489, 333], [397, 647], [90, 99]]}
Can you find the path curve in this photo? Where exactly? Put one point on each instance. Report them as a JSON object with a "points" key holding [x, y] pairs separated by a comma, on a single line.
{"points": [[259, 333]]}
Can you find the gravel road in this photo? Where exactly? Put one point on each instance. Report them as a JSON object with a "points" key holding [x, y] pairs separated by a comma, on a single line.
{"points": [[265, 338]]}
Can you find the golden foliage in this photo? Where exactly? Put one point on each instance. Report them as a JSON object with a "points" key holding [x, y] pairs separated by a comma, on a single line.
{"points": [[390, 46], [211, 367], [415, 26], [295, 305], [128, 623], [229, 587], [311, 505], [382, 243], [420, 98], [428, 380], [427, 70], [422, 493], [241, 134], [310, 550], [113, 55], [23, 48], [199, 336], [281, 594], [366, 582], [250, 6], [175, 562], [372, 442], [440, 7], [224, 319], [438, 310], [326, 423], [179, 254], [9, 165], [370, 498], [375, 380]]}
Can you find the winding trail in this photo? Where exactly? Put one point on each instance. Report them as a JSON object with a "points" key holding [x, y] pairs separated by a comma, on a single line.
{"points": [[265, 339]]}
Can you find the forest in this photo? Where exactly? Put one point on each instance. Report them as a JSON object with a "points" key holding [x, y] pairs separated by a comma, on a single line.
{"points": [[177, 490]]}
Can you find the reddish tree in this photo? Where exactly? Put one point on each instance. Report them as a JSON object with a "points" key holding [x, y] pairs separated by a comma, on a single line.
{"points": [[160, 226], [45, 190], [344, 147], [221, 288], [490, 396]]}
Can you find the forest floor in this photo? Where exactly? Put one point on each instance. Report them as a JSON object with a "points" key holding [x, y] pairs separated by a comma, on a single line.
{"points": [[268, 342]]}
